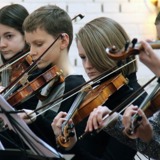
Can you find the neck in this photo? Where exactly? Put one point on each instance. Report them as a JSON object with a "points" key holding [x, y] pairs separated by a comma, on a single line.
{"points": [[65, 64]]}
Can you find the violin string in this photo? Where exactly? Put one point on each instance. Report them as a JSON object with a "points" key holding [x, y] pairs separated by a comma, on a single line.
{"points": [[73, 93], [120, 106], [12, 84], [141, 106], [107, 117], [132, 96], [73, 108], [3, 67], [104, 118]]}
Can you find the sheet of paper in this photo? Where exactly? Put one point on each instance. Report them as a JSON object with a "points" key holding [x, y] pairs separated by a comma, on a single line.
{"points": [[37, 146]]}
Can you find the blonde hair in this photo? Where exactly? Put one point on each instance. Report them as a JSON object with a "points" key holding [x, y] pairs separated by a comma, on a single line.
{"points": [[99, 34]]}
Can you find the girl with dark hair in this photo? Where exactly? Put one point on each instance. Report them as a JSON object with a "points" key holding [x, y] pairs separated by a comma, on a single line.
{"points": [[12, 41]]}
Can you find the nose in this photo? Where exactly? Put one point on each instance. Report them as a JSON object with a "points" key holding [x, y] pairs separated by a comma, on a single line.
{"points": [[87, 64], [32, 52], [2, 43]]}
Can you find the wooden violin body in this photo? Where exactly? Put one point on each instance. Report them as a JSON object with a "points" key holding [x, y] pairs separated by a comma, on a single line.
{"points": [[35, 85], [98, 96], [20, 66], [95, 97]]}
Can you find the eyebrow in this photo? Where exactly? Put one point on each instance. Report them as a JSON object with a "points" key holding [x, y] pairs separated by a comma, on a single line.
{"points": [[7, 33]]}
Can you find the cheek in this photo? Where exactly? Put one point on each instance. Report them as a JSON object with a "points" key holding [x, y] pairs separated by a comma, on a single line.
{"points": [[84, 64], [18, 45]]}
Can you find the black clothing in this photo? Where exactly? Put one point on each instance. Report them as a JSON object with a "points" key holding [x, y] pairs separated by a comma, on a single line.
{"points": [[42, 126], [8, 137], [102, 146]]}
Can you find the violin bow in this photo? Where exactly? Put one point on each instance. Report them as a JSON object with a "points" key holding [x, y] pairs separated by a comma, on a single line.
{"points": [[136, 117], [12, 84], [126, 103], [95, 81], [14, 60]]}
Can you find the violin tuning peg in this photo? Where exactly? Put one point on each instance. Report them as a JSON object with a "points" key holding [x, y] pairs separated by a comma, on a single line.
{"points": [[126, 46], [71, 134], [134, 41]]}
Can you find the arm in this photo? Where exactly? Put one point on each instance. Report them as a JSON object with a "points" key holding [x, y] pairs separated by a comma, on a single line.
{"points": [[112, 125], [148, 144], [152, 148], [116, 129], [149, 58]]}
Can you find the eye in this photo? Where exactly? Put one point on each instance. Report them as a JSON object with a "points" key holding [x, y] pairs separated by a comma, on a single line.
{"points": [[39, 44], [82, 57], [9, 36]]}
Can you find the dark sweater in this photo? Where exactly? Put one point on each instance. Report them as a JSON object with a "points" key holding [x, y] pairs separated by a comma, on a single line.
{"points": [[102, 146]]}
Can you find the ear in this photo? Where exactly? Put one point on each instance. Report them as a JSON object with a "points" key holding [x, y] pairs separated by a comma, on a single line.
{"points": [[64, 41]]}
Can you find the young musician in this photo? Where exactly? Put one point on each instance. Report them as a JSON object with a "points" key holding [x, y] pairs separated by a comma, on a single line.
{"points": [[44, 26], [13, 46], [146, 137], [12, 40], [92, 41]]}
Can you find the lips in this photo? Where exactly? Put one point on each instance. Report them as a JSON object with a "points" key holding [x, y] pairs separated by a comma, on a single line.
{"points": [[5, 52], [91, 73]]}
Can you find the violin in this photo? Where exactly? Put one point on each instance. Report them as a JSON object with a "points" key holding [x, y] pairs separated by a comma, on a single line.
{"points": [[98, 96], [16, 79], [131, 48], [20, 66], [149, 109], [35, 85], [91, 99], [153, 105]]}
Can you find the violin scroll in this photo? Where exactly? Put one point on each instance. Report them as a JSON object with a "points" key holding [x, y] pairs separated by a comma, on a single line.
{"points": [[130, 48], [67, 139]]}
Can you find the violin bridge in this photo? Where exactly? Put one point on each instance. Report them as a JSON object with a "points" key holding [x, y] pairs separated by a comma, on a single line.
{"points": [[24, 79], [127, 81], [86, 88], [59, 73]]}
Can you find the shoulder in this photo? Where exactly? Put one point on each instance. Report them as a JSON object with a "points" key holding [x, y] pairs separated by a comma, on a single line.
{"points": [[74, 81]]}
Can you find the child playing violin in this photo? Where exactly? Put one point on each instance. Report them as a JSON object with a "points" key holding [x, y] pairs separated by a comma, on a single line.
{"points": [[13, 46], [92, 40], [12, 42], [146, 137], [44, 26]]}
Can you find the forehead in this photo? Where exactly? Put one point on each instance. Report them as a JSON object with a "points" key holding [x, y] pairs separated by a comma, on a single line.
{"points": [[4, 29], [80, 47], [37, 35]]}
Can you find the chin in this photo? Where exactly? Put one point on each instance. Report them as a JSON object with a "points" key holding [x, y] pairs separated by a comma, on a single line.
{"points": [[92, 77], [7, 57], [40, 66]]}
